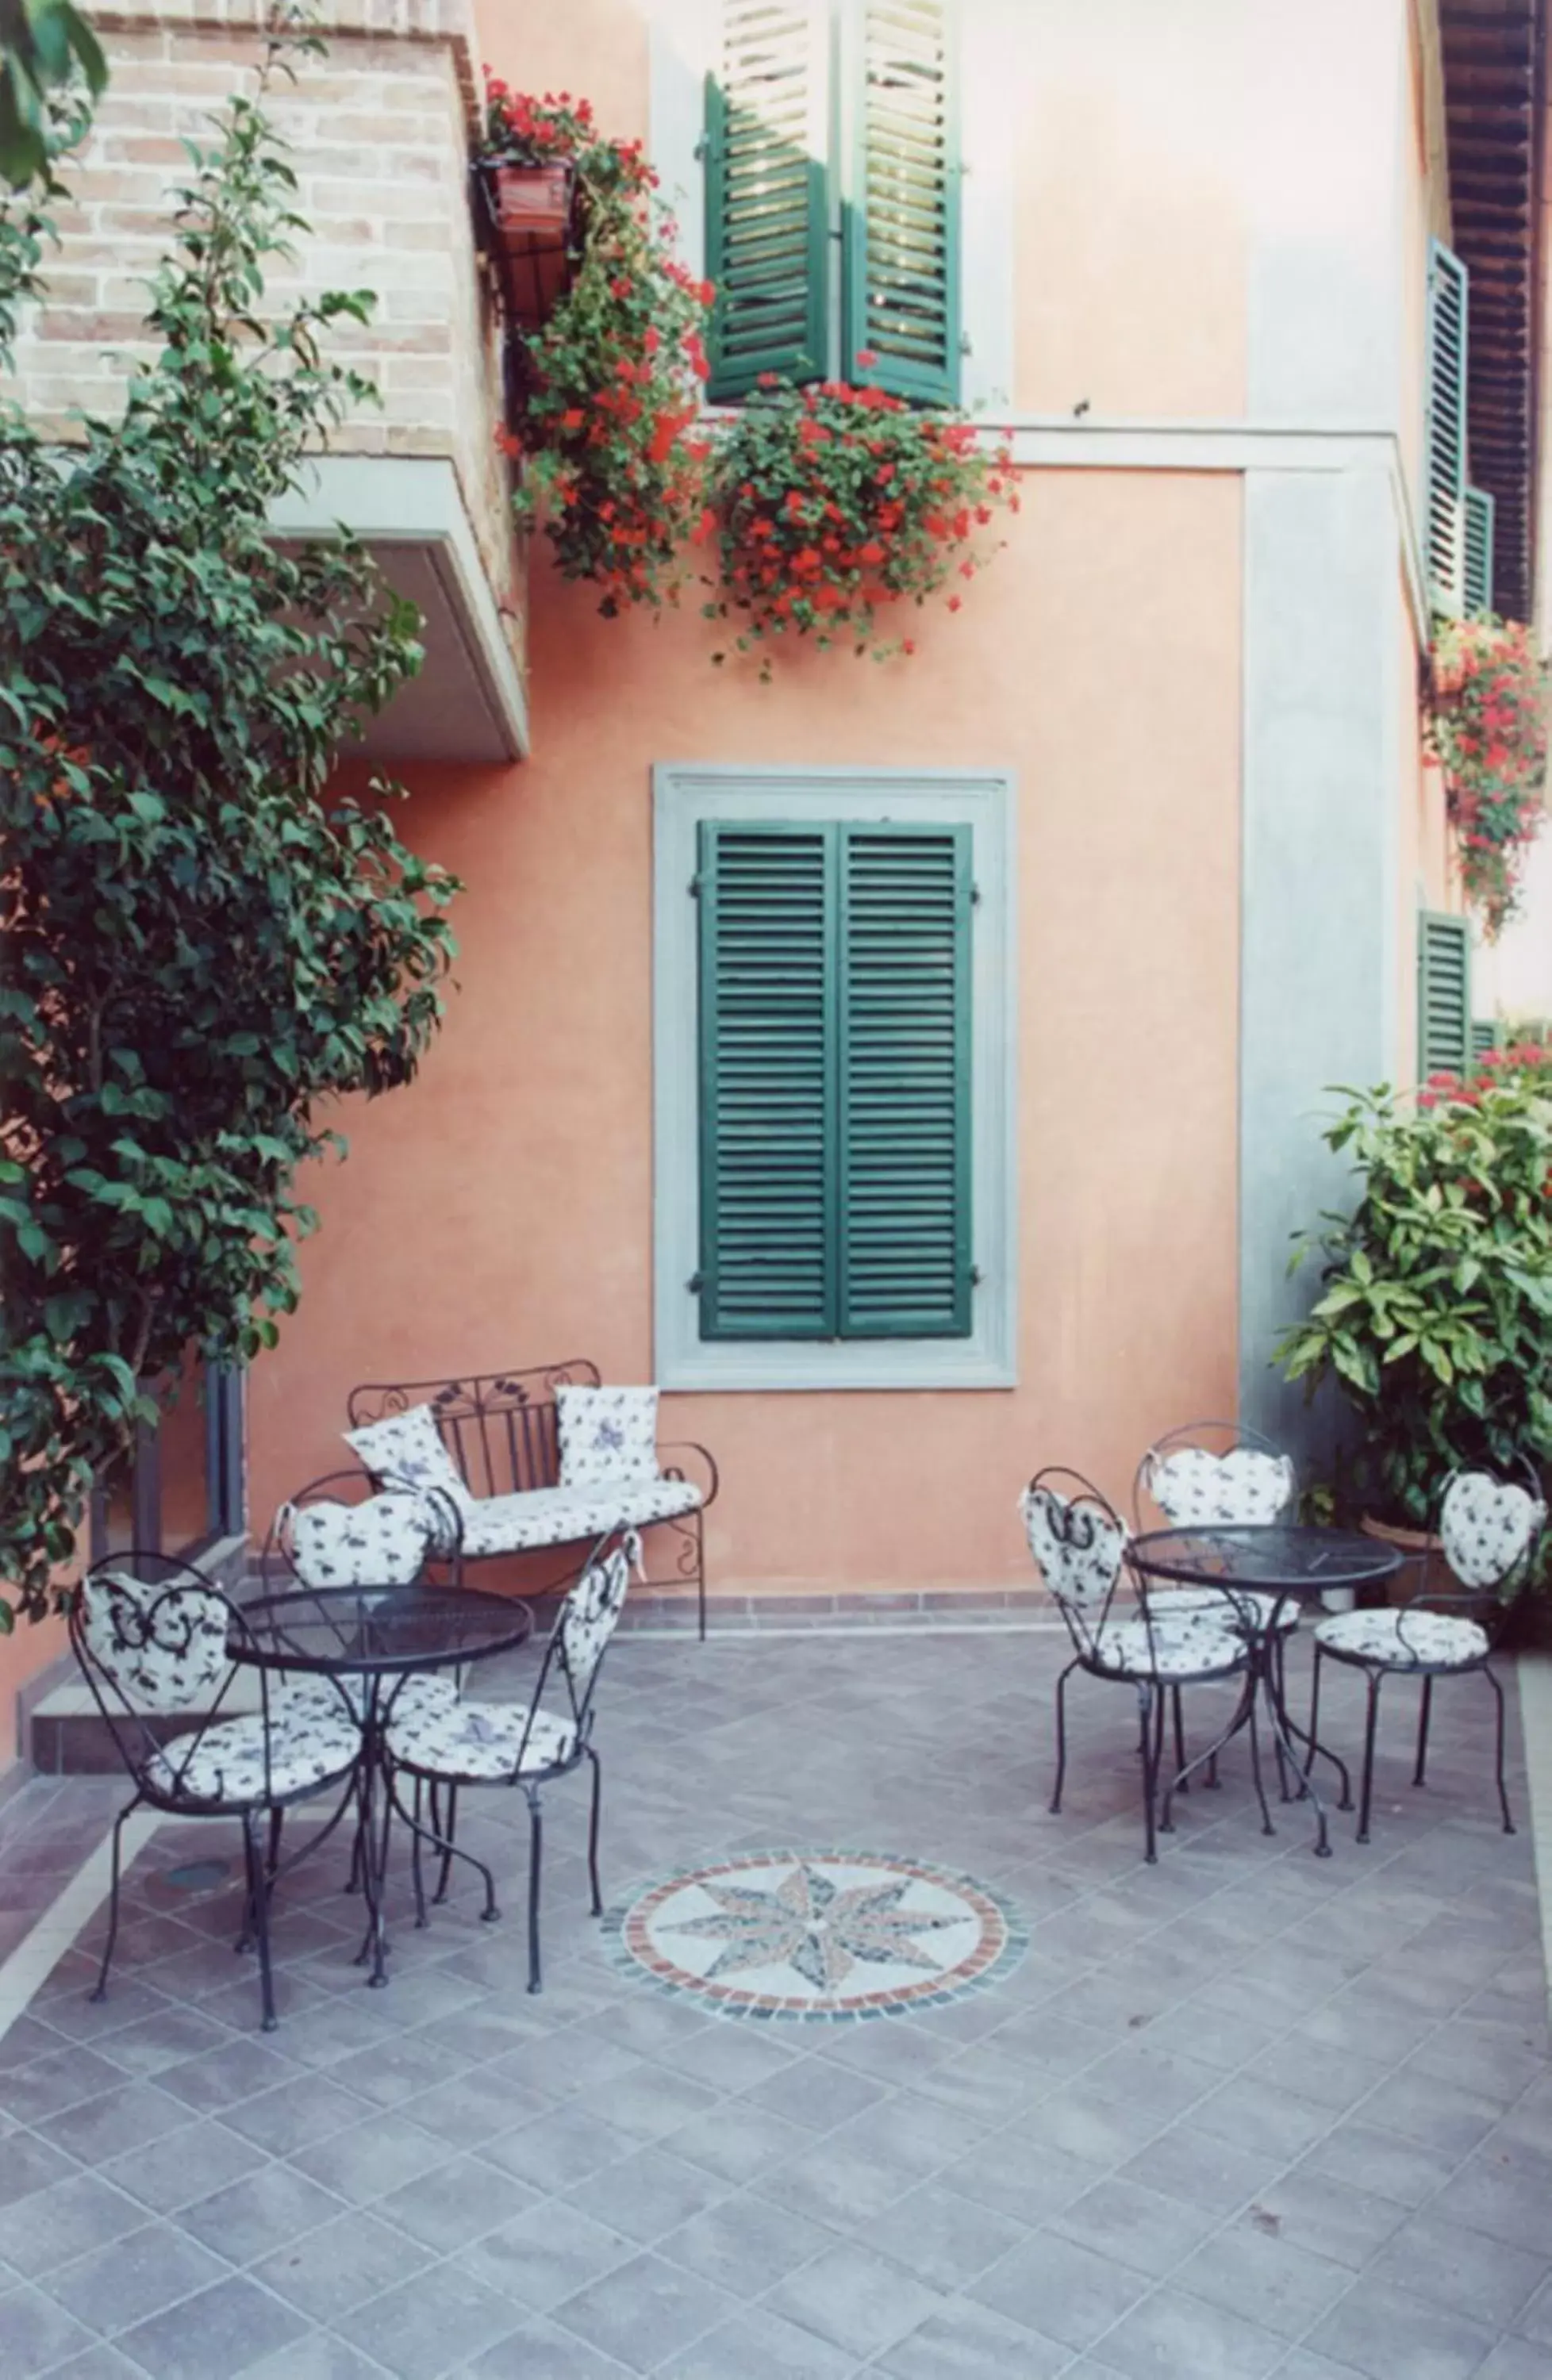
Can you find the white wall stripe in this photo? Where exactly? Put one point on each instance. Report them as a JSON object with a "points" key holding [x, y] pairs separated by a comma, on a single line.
{"points": [[66, 1918]]}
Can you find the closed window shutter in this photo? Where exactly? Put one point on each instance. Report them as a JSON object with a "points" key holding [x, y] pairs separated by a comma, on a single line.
{"points": [[902, 282], [767, 194], [1484, 1035], [1477, 568], [1444, 1031], [905, 1084], [767, 1082], [1449, 307], [834, 1082]]}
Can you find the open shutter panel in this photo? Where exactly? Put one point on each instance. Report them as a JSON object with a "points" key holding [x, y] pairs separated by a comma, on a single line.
{"points": [[1477, 588], [767, 194], [902, 211], [904, 1083], [1443, 1035], [1445, 457], [767, 1082], [1485, 1036]]}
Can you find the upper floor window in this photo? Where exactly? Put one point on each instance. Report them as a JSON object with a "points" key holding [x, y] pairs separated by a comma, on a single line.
{"points": [[832, 195], [1457, 530]]}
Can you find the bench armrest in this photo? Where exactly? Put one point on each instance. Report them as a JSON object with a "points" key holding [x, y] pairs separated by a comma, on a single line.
{"points": [[703, 1470]]}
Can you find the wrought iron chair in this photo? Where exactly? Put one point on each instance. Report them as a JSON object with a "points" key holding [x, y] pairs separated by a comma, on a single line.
{"points": [[1217, 1474], [1489, 1530], [1078, 1542], [495, 1445], [157, 1642], [527, 1744]]}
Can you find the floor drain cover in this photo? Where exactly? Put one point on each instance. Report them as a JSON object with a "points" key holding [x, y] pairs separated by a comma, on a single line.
{"points": [[196, 1876]]}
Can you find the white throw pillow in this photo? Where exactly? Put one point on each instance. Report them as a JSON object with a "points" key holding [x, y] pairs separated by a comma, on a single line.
{"points": [[408, 1449], [607, 1434]]}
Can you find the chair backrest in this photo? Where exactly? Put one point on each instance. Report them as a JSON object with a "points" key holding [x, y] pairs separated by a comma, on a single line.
{"points": [[154, 1637], [589, 1615], [338, 1532], [1078, 1542], [1215, 1475], [501, 1428], [1488, 1529]]}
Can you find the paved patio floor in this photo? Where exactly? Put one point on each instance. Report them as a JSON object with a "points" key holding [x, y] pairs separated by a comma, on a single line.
{"points": [[1245, 2113]]}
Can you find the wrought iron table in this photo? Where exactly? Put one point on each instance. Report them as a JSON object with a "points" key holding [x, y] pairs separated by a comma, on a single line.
{"points": [[1284, 1564], [369, 1641]]}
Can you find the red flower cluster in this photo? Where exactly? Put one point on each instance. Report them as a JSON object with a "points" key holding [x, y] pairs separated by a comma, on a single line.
{"points": [[611, 380], [1523, 1065], [832, 502], [1487, 728]]}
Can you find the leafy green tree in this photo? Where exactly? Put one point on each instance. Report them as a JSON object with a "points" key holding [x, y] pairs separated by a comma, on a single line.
{"points": [[45, 47], [203, 947]]}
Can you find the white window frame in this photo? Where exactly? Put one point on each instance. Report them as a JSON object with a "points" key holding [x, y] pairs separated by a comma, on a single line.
{"points": [[683, 794], [684, 50]]}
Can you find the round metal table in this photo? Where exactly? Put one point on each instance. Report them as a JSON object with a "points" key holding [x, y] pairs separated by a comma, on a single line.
{"points": [[371, 1640], [1291, 1564]]}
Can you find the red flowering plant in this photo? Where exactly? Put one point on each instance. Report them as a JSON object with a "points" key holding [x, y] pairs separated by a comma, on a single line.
{"points": [[830, 504], [1487, 726], [610, 386]]}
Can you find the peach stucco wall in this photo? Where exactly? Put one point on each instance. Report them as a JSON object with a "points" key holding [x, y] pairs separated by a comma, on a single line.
{"points": [[501, 1211], [22, 1655]]}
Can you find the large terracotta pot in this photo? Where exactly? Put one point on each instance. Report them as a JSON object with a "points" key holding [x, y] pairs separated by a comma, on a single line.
{"points": [[529, 201], [1424, 1567]]}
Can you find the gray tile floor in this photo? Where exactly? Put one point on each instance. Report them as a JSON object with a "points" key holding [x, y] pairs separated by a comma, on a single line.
{"points": [[1245, 2113]]}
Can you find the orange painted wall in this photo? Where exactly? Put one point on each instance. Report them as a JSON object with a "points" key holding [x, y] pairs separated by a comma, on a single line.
{"points": [[22, 1655], [501, 1211]]}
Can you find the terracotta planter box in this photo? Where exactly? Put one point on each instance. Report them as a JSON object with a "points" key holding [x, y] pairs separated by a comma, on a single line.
{"points": [[528, 211], [529, 202]]}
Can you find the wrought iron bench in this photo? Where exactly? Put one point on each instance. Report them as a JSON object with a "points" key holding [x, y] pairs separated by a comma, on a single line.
{"points": [[501, 1431]]}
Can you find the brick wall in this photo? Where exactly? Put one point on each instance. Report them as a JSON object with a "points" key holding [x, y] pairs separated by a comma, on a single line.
{"points": [[379, 130]]}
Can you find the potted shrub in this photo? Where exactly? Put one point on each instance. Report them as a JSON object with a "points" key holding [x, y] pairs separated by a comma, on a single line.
{"points": [[1487, 726], [829, 506], [1435, 1314]]}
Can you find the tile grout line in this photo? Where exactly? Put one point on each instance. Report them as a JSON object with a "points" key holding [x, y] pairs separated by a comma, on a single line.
{"points": [[66, 1918]]}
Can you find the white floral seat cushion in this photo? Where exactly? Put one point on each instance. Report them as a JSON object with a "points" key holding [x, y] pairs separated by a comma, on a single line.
{"points": [[1404, 1640], [1487, 1526], [382, 1542], [1196, 1489], [162, 1644], [337, 1697], [227, 1764], [479, 1742], [1129, 1648], [1078, 1547], [560, 1516], [1202, 1602]]}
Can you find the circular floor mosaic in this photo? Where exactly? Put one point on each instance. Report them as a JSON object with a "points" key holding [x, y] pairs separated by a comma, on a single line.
{"points": [[816, 1935]]}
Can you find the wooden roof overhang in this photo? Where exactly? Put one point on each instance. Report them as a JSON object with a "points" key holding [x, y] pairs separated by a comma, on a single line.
{"points": [[1494, 55]]}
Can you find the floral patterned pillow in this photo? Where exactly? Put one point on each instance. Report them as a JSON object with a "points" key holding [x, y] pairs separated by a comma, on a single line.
{"points": [[1078, 1548], [1487, 1527], [163, 1646], [408, 1449], [381, 1543], [607, 1434]]}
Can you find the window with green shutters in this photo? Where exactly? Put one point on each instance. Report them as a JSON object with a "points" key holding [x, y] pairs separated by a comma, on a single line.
{"points": [[1478, 565], [832, 195], [834, 1092], [1444, 1017]]}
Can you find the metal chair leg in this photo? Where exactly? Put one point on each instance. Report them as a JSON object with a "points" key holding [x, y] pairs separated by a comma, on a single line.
{"points": [[1366, 1792], [1266, 1826], [593, 1832], [1180, 1733], [700, 1568], [1313, 1710], [447, 1834], [277, 1820], [1060, 1736], [1152, 1748], [536, 1852], [1503, 1790], [1422, 1718], [416, 1874], [102, 1991], [259, 1886]]}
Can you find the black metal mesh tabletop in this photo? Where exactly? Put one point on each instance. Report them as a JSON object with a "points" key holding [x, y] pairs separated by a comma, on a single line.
{"points": [[366, 1631], [1280, 1556]]}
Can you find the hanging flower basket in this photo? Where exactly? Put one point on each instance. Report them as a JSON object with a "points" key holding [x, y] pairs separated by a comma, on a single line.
{"points": [[1486, 727], [526, 213]]}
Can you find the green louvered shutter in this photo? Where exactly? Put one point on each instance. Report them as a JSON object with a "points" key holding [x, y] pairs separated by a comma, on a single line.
{"points": [[1449, 309], [834, 1082], [1485, 1036], [1477, 567], [902, 279], [905, 1083], [1444, 1032], [768, 1256], [768, 193]]}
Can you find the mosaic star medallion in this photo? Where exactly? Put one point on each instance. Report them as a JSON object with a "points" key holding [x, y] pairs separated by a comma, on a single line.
{"points": [[818, 1935]]}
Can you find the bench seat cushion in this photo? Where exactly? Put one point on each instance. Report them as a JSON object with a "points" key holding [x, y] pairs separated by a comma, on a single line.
{"points": [[561, 1516]]}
